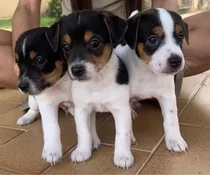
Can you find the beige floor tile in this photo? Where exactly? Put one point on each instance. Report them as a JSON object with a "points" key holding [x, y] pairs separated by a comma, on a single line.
{"points": [[181, 104], [6, 172], [23, 154], [8, 134], [195, 161], [10, 118], [12, 96], [190, 84], [27, 148], [148, 128], [4, 106], [198, 110], [100, 163], [207, 81]]}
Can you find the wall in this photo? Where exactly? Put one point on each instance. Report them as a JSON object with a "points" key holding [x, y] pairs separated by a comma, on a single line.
{"points": [[8, 7]]}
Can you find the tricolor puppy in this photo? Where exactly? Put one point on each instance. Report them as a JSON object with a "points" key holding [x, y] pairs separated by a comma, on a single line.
{"points": [[43, 75], [100, 79], [153, 57]]}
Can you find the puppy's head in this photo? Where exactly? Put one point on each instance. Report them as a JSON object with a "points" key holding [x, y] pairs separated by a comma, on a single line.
{"points": [[37, 56], [88, 38], [157, 36]]}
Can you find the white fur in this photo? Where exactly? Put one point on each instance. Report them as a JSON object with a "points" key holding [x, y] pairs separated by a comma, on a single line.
{"points": [[160, 58], [101, 93], [24, 47], [134, 13], [146, 82], [47, 104]]}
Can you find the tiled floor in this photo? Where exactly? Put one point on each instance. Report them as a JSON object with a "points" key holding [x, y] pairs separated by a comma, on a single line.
{"points": [[21, 147]]}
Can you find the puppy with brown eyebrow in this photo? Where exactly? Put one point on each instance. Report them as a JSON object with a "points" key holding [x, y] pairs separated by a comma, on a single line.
{"points": [[43, 75], [153, 56], [100, 79]]}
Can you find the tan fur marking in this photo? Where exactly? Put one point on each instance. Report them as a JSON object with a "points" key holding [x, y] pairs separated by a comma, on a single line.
{"points": [[178, 28], [16, 57], [143, 55], [158, 31], [101, 60], [55, 74], [67, 39], [88, 35], [33, 54]]}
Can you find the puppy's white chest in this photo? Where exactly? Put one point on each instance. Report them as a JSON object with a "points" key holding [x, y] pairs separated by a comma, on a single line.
{"points": [[100, 99], [149, 85], [96, 99], [61, 92]]}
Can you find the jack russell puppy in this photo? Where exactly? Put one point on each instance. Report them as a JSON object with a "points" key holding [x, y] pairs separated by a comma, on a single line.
{"points": [[153, 56], [43, 76], [100, 79]]}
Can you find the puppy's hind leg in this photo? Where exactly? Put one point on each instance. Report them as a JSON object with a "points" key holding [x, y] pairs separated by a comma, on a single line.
{"points": [[31, 114], [95, 138]]}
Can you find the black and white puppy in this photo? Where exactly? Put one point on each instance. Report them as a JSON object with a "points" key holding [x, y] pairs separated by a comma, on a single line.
{"points": [[153, 56], [43, 75], [100, 79]]}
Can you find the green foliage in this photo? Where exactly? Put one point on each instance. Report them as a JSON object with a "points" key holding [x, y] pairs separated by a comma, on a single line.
{"points": [[55, 8]]}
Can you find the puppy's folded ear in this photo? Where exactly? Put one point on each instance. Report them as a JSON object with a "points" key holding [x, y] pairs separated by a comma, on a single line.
{"points": [[131, 34], [116, 27], [53, 34], [185, 31]]}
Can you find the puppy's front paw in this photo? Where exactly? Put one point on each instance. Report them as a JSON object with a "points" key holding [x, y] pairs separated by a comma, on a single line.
{"points": [[80, 155], [176, 144], [52, 153], [133, 139], [123, 159], [96, 143], [25, 120]]}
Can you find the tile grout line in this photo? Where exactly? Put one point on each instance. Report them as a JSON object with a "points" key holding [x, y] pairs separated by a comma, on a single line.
{"points": [[135, 149], [193, 94], [11, 128], [67, 152], [103, 122], [11, 172], [153, 151], [20, 135], [162, 138], [5, 101], [74, 146], [9, 110], [11, 140], [194, 125]]}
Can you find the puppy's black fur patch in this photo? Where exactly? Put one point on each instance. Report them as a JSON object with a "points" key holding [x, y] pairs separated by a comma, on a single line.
{"points": [[122, 75], [141, 27], [89, 37], [42, 68]]}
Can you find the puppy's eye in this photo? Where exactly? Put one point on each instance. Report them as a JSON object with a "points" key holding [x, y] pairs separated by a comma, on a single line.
{"points": [[66, 47], [40, 60], [153, 39], [95, 43], [180, 35]]}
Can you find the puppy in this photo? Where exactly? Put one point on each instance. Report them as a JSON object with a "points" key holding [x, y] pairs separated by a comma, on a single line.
{"points": [[153, 56], [100, 79], [43, 75]]}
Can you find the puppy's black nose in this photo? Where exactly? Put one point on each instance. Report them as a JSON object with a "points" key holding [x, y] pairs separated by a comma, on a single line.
{"points": [[175, 61], [78, 70], [23, 85]]}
